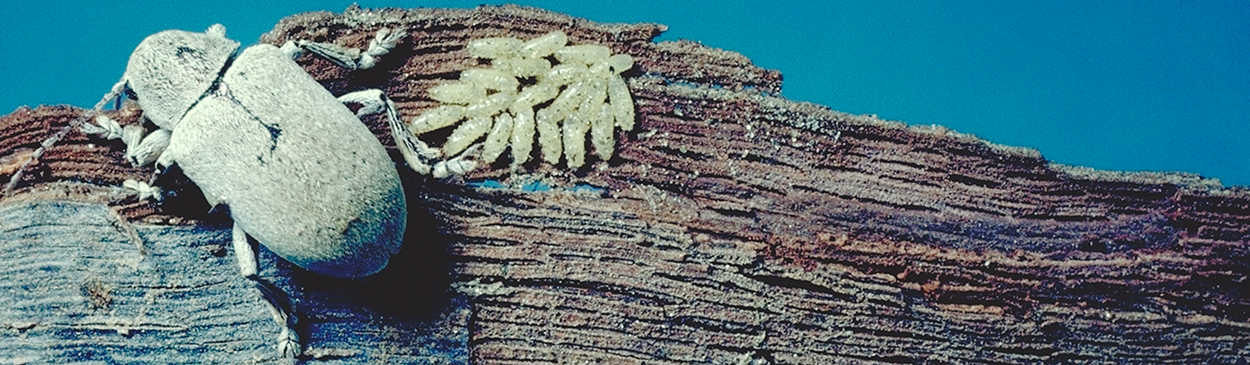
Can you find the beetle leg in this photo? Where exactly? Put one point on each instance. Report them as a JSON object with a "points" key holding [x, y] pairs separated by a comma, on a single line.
{"points": [[382, 43], [140, 150], [288, 339], [105, 127], [339, 55], [349, 58], [243, 253], [144, 190], [279, 302], [148, 149], [164, 162], [459, 165], [417, 154], [372, 101]]}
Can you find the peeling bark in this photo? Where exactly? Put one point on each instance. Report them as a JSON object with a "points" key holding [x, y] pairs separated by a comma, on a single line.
{"points": [[732, 226]]}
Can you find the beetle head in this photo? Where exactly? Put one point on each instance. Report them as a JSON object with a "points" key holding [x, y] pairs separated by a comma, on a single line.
{"points": [[170, 71]]}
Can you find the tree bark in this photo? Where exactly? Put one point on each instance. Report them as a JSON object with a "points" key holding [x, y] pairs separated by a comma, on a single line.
{"points": [[732, 226]]}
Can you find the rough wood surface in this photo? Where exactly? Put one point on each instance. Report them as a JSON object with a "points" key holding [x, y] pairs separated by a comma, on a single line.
{"points": [[733, 226], [77, 289]]}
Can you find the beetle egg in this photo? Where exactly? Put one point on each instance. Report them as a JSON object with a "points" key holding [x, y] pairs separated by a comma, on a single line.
{"points": [[493, 48], [548, 136], [596, 91], [522, 67], [620, 63], [489, 106], [437, 118], [622, 103], [568, 101], [601, 128], [585, 54], [457, 93], [575, 129], [563, 74], [600, 70], [489, 79], [497, 138], [522, 140], [533, 95], [465, 135], [582, 97], [543, 46]]}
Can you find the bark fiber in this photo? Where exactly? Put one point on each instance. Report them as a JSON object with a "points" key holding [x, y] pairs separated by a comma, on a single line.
{"points": [[732, 226]]}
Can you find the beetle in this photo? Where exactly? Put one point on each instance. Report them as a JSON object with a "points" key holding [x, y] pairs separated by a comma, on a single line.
{"points": [[297, 170]]}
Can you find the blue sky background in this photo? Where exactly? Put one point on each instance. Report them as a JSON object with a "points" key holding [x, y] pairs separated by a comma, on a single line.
{"points": [[1121, 85]]}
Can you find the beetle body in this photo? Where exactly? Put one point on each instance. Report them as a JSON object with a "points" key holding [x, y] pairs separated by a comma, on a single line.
{"points": [[299, 171]]}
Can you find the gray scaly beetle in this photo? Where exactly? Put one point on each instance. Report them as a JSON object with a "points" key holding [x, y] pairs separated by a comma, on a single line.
{"points": [[297, 169]]}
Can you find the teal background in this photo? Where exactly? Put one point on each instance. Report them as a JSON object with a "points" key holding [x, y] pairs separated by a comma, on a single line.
{"points": [[1120, 85]]}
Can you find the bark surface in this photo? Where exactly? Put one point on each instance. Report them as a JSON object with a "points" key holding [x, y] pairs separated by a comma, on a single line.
{"points": [[732, 226]]}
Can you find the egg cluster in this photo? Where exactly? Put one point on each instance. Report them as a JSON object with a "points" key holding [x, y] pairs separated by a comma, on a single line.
{"points": [[576, 90]]}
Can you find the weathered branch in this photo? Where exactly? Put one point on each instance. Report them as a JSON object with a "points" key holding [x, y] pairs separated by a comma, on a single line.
{"points": [[733, 226]]}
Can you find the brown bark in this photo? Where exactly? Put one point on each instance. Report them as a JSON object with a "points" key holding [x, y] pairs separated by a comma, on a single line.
{"points": [[735, 226]]}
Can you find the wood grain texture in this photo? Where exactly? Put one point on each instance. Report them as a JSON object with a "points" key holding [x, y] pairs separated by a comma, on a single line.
{"points": [[735, 226], [78, 290]]}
